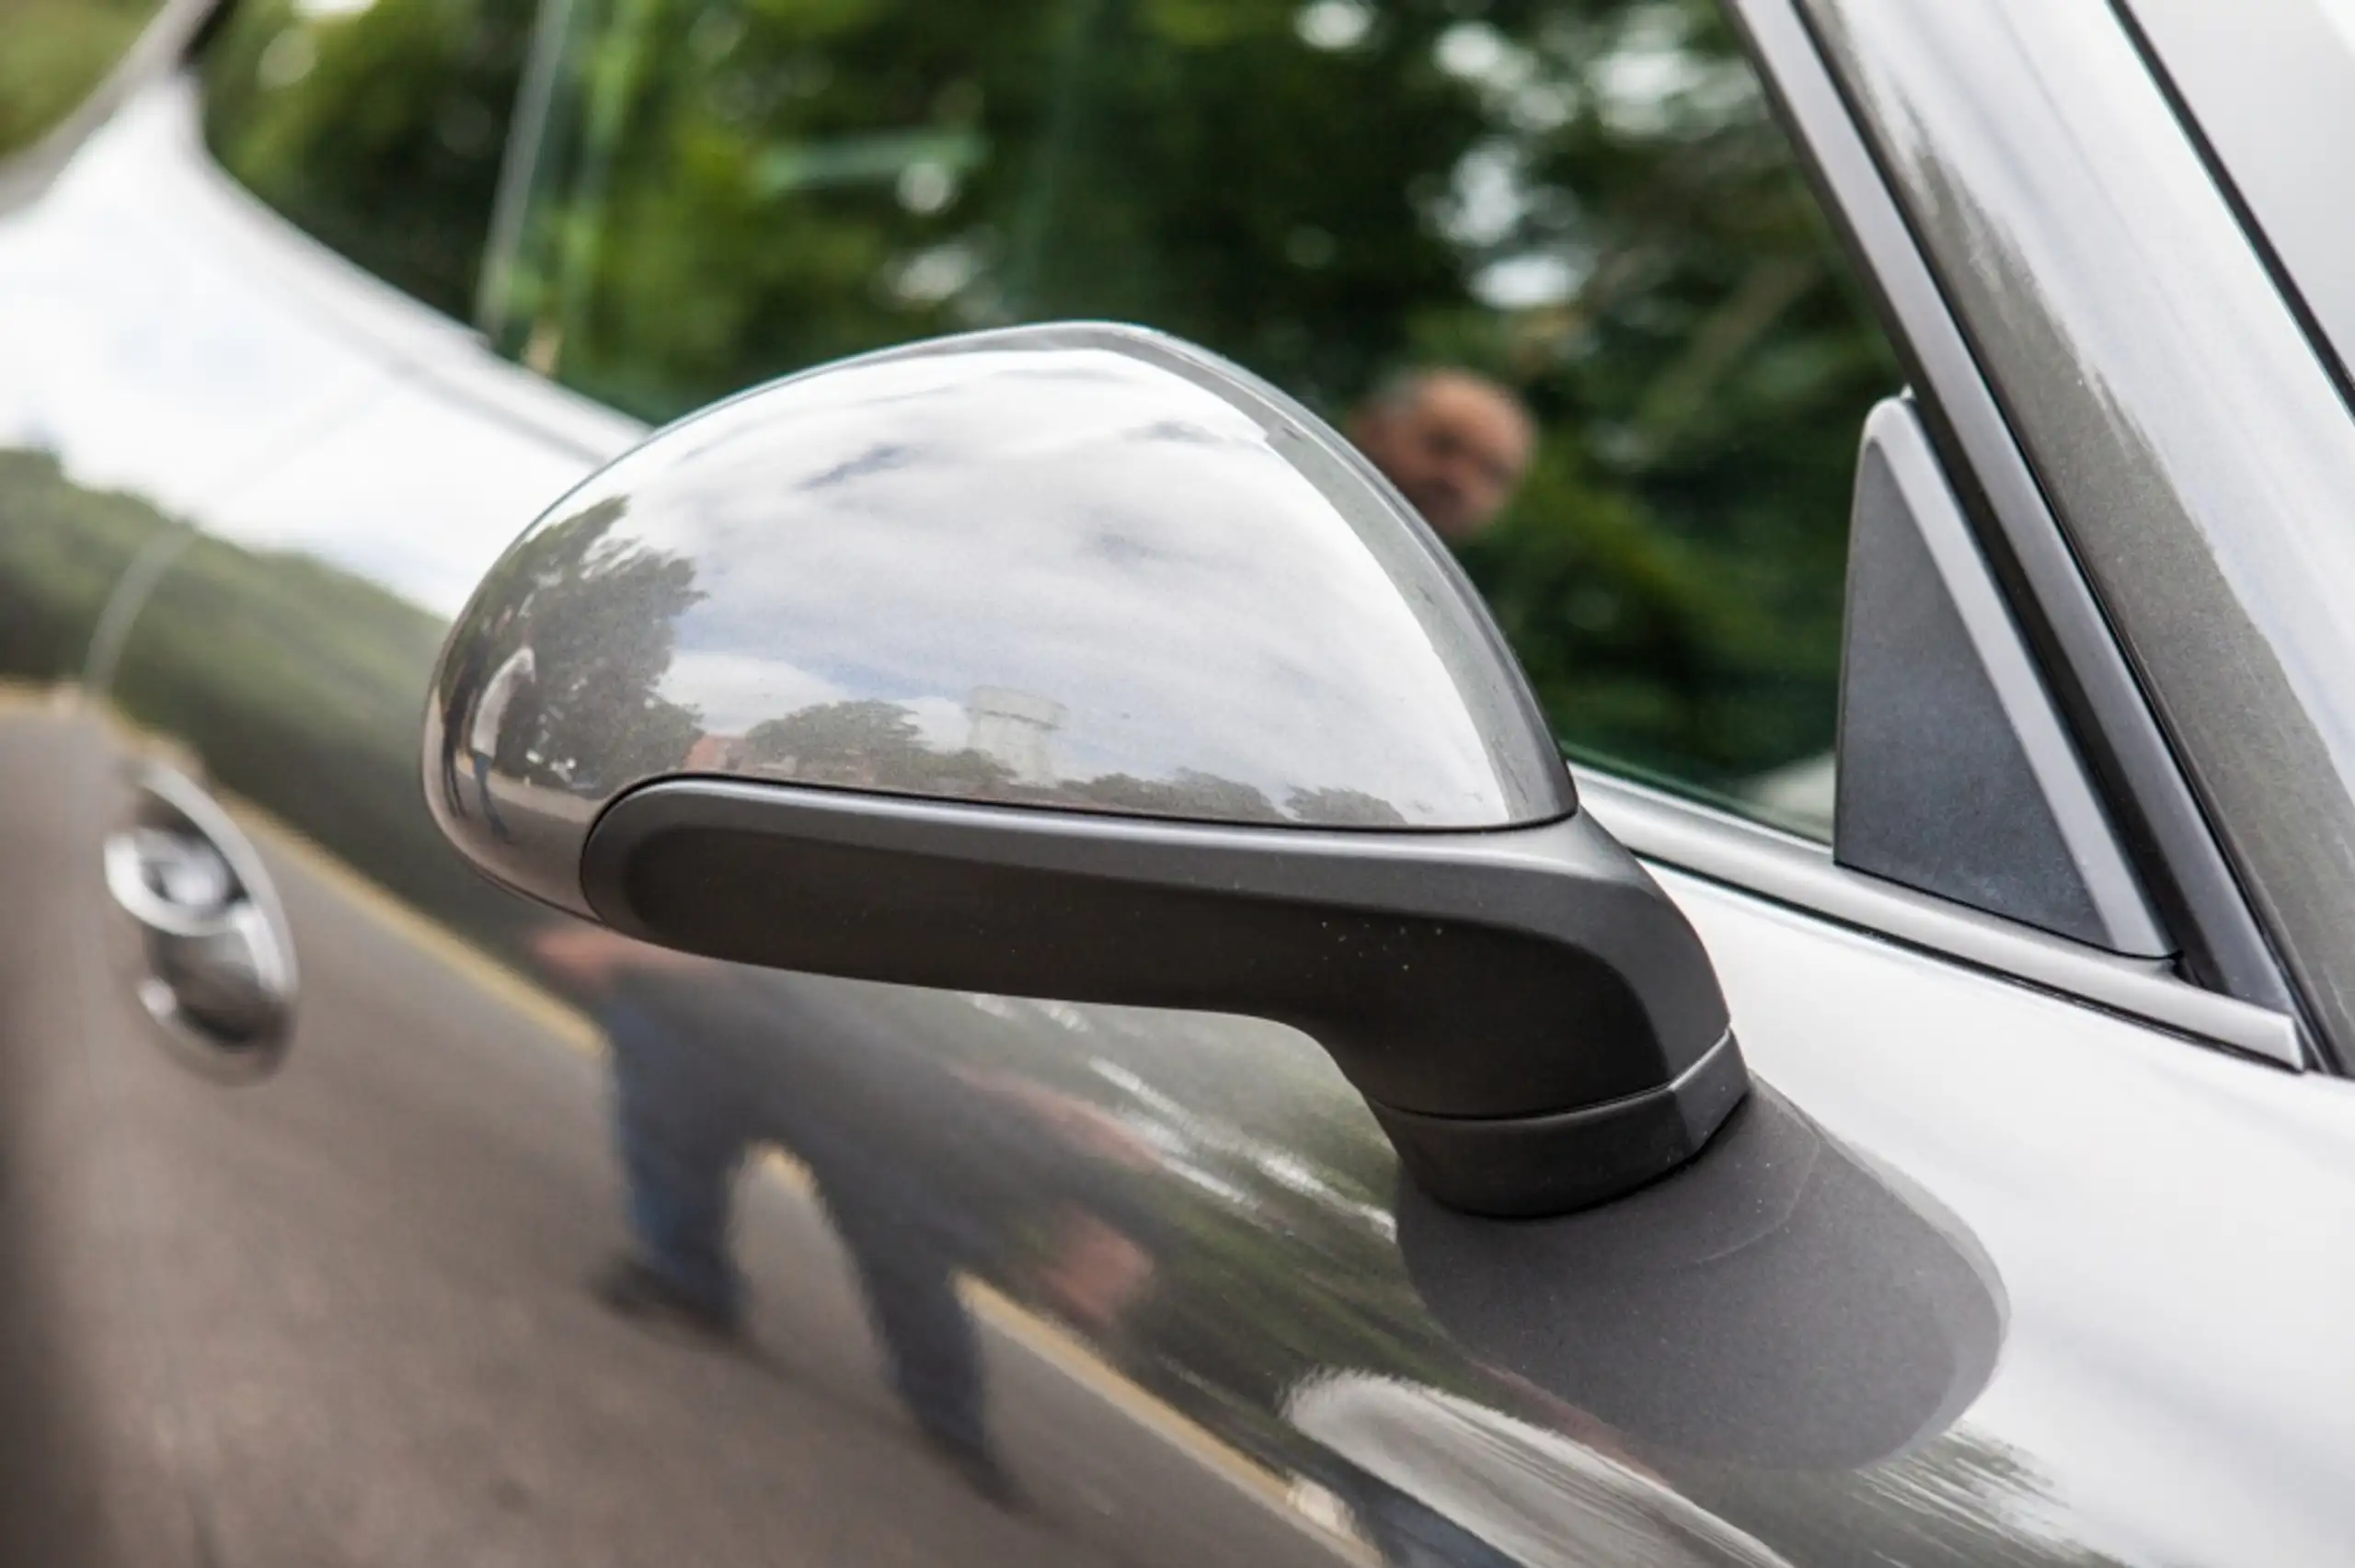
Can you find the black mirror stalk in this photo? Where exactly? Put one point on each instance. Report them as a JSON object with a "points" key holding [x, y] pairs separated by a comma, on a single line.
{"points": [[1533, 1023]]}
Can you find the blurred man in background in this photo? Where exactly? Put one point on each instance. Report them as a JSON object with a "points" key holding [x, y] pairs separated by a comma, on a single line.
{"points": [[1455, 443]]}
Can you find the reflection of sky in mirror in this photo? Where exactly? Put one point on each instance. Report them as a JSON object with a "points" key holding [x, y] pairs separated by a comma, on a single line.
{"points": [[1081, 528]]}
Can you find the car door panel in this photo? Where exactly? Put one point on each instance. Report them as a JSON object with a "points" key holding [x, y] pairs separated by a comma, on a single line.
{"points": [[89, 1462]]}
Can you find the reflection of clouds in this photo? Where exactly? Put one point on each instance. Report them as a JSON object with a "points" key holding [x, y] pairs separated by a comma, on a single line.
{"points": [[1082, 528], [417, 493], [734, 691], [140, 351], [167, 337]]}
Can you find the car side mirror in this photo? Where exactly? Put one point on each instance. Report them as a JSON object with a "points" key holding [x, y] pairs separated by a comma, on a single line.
{"points": [[1075, 662]]}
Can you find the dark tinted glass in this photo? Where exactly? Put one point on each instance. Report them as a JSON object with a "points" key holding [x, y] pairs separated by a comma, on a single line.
{"points": [[378, 125], [1585, 207]]}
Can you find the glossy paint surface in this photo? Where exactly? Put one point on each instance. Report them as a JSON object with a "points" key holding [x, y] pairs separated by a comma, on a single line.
{"points": [[2196, 450], [1983, 1276], [1086, 567], [2271, 85]]}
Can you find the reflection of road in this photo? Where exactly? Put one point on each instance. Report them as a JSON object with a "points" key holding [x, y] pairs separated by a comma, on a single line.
{"points": [[373, 1272]]}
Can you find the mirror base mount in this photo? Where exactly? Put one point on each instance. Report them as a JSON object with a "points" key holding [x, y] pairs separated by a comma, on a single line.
{"points": [[1527, 1167]]}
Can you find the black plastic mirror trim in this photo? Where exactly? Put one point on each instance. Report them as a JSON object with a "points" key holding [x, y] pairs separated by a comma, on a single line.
{"points": [[1529, 1167], [1958, 776], [1535, 1024]]}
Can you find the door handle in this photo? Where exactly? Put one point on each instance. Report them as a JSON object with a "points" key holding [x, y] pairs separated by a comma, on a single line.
{"points": [[219, 973]]}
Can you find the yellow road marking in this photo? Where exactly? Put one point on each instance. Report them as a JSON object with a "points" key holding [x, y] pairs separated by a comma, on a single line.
{"points": [[1076, 1359], [508, 986]]}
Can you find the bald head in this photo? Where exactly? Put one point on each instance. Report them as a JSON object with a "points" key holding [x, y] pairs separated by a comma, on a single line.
{"points": [[1456, 443]]}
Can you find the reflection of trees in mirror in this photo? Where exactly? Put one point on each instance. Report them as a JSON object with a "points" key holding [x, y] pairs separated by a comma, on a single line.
{"points": [[1187, 792], [866, 743], [1340, 807], [600, 616]]}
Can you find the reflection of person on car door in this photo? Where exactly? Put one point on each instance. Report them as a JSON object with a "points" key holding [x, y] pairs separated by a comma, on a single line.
{"points": [[926, 1173]]}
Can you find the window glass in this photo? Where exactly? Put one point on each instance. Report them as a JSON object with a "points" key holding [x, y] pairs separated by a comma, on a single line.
{"points": [[1551, 257], [378, 125], [1549, 261], [52, 53]]}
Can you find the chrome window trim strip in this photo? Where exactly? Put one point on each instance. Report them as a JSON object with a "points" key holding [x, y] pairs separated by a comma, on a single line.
{"points": [[1793, 872]]}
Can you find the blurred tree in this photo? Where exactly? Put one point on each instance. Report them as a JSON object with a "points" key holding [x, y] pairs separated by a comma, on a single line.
{"points": [[868, 743], [52, 53], [379, 127], [62, 551]]}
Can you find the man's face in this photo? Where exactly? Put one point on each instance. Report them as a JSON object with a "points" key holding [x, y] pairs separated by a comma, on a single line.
{"points": [[1457, 448]]}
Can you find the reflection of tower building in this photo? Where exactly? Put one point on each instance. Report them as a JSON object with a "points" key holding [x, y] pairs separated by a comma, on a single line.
{"points": [[1011, 728], [715, 754]]}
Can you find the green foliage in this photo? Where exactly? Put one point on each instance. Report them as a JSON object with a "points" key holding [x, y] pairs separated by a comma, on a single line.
{"points": [[62, 550], [52, 53], [301, 686], [380, 130]]}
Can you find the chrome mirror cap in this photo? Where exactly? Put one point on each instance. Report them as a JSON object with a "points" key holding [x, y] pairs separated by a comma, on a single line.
{"points": [[1081, 566]]}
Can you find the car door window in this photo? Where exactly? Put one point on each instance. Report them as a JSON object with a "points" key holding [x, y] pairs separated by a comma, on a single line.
{"points": [[1550, 258], [379, 127]]}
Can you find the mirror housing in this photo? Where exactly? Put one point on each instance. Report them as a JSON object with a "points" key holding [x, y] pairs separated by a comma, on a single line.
{"points": [[1073, 662]]}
